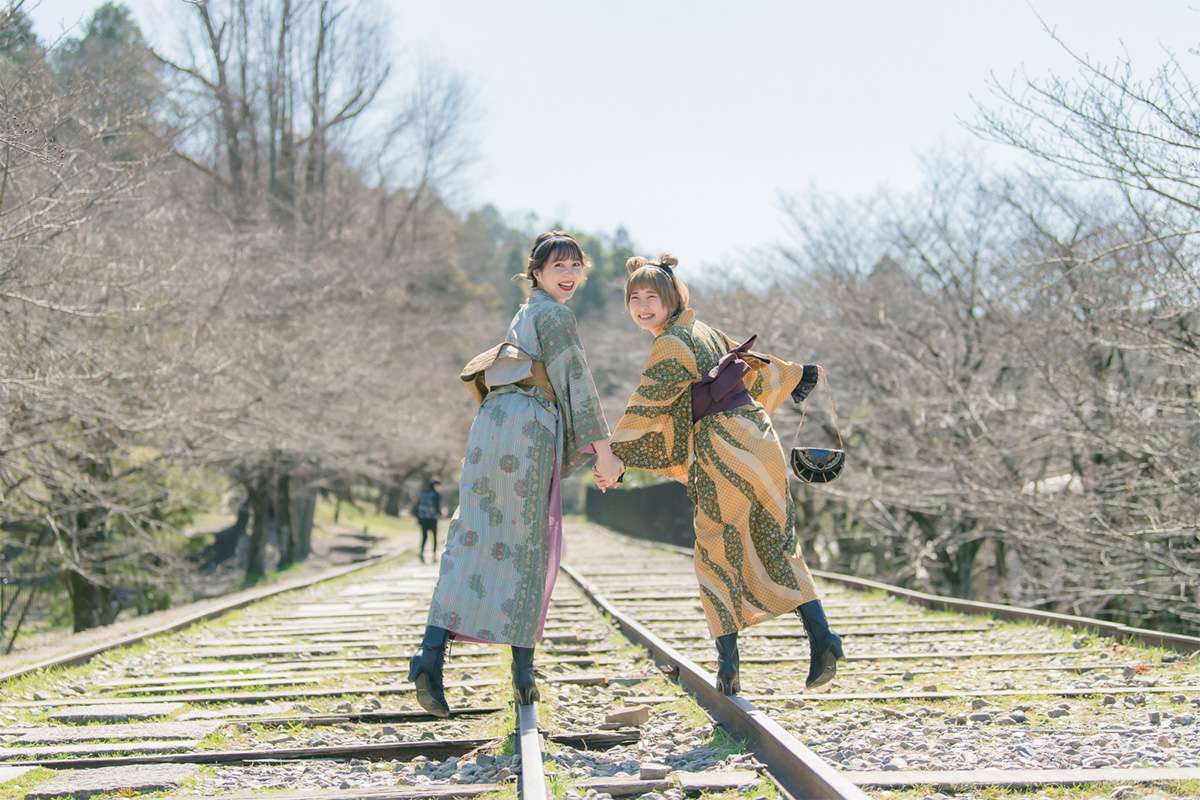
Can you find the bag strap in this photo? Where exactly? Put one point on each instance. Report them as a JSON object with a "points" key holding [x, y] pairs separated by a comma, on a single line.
{"points": [[822, 377]]}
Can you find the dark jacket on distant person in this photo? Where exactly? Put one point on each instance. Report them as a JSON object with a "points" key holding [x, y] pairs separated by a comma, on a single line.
{"points": [[429, 505]]}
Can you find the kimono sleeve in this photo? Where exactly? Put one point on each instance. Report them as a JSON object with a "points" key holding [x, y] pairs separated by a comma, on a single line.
{"points": [[770, 380], [655, 432], [579, 409]]}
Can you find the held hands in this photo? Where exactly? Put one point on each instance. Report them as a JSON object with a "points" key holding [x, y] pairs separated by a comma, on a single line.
{"points": [[607, 471]]}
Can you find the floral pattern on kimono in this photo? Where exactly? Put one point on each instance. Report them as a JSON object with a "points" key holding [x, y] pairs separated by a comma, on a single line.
{"points": [[503, 547]]}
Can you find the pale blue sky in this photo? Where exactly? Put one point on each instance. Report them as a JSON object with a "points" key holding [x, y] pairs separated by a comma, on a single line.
{"points": [[685, 120]]}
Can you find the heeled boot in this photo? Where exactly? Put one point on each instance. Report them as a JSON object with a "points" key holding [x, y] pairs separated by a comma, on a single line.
{"points": [[728, 680], [825, 646], [425, 671], [525, 689]]}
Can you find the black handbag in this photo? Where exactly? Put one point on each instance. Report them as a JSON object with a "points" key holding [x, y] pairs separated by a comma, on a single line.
{"points": [[819, 464]]}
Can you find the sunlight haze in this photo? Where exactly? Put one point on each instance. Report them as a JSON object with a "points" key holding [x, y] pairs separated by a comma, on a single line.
{"points": [[684, 121]]}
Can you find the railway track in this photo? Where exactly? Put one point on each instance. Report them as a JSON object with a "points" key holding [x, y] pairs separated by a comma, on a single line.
{"points": [[930, 703], [303, 694]]}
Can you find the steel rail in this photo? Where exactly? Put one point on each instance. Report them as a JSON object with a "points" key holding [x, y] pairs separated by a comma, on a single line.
{"points": [[1007, 778], [1173, 641], [532, 784], [801, 771]]}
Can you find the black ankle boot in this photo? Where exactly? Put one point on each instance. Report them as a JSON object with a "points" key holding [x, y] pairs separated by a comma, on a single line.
{"points": [[425, 670], [524, 688], [728, 680], [825, 646]]}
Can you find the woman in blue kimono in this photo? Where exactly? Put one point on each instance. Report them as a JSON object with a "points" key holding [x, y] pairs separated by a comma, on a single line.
{"points": [[540, 419]]}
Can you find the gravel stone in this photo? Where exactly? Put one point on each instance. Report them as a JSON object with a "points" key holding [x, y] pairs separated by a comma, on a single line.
{"points": [[650, 771]]}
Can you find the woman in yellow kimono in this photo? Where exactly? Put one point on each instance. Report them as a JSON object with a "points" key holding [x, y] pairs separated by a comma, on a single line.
{"points": [[700, 416]]}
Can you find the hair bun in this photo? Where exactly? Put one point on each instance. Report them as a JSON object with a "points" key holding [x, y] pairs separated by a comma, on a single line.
{"points": [[668, 260], [634, 263]]}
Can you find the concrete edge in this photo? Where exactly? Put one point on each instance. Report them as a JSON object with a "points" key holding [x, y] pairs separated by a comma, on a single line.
{"points": [[86, 654]]}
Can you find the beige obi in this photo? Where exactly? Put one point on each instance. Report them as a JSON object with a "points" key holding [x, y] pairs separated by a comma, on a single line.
{"points": [[505, 364]]}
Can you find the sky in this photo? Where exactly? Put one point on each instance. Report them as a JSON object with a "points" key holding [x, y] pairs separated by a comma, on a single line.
{"points": [[686, 122]]}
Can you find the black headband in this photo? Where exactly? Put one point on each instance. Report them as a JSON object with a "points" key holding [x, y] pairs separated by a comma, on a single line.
{"points": [[664, 267], [551, 241]]}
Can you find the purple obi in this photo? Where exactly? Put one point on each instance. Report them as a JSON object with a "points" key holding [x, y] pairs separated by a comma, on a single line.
{"points": [[722, 389]]}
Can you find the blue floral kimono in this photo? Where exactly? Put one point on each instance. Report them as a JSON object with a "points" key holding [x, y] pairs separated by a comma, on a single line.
{"points": [[505, 540]]}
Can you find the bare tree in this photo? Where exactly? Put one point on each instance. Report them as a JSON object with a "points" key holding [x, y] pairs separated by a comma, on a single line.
{"points": [[76, 379], [315, 329], [163, 315], [1016, 434]]}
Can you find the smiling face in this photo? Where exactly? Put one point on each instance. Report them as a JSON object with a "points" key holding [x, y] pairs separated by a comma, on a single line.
{"points": [[647, 309], [561, 275], [652, 295]]}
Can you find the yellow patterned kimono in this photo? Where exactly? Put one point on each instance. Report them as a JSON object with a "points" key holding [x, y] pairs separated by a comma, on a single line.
{"points": [[745, 557]]}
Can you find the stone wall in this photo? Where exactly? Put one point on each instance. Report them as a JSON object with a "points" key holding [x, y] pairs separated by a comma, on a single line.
{"points": [[661, 512]]}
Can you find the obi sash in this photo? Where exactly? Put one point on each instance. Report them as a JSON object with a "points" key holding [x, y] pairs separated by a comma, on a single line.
{"points": [[723, 388], [505, 364]]}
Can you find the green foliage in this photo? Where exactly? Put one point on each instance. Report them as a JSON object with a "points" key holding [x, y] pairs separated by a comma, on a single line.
{"points": [[491, 251], [363, 517], [120, 77], [18, 42], [607, 277], [19, 787]]}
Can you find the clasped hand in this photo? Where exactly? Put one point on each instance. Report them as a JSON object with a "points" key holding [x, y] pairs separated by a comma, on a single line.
{"points": [[608, 471]]}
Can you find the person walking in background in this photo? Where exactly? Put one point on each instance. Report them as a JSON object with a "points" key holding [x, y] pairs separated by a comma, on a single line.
{"points": [[539, 419], [700, 416], [427, 511]]}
